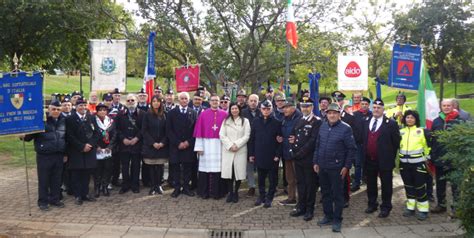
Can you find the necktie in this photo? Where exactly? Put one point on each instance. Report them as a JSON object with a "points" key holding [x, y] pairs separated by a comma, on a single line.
{"points": [[374, 126], [183, 110]]}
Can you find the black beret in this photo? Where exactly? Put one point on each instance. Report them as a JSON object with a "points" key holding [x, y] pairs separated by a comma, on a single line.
{"points": [[266, 104], [324, 98], [66, 99], [379, 102], [100, 105], [225, 97], [116, 91], [75, 93], [169, 91], [107, 97], [338, 95], [55, 103], [366, 99], [81, 100], [142, 91]]}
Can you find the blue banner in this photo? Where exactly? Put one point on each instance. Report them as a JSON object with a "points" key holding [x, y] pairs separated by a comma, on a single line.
{"points": [[21, 103], [150, 71], [405, 67], [314, 91]]}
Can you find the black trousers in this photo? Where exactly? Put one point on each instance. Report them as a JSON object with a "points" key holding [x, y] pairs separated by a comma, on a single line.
{"points": [[441, 180], [332, 186], [307, 183], [194, 175], [80, 182], [115, 168], [210, 185], [103, 172], [66, 178], [50, 169], [180, 175], [156, 174], [414, 179], [146, 176], [130, 170], [272, 175], [386, 178]]}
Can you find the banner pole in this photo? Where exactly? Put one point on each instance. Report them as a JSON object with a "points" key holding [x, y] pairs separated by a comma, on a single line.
{"points": [[27, 179]]}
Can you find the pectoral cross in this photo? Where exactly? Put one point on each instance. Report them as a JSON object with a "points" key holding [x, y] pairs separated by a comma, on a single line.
{"points": [[215, 127]]}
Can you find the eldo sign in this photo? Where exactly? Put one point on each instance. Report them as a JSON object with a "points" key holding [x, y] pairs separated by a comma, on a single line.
{"points": [[352, 72]]}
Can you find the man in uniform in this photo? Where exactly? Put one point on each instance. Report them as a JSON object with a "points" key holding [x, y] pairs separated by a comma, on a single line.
{"points": [[180, 123], [323, 106], [302, 142], [143, 107], [50, 148], [332, 160], [169, 100], [242, 99], [251, 112], [196, 104], [158, 91], [66, 107], [397, 112], [381, 138], [74, 96], [82, 138], [142, 101], [265, 151], [224, 103], [116, 104]]}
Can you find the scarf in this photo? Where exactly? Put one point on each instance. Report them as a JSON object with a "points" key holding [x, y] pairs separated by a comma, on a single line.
{"points": [[105, 125], [449, 117]]}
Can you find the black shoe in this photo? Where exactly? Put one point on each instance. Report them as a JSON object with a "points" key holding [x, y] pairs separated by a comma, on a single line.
{"points": [[267, 204], [188, 192], [229, 198], [152, 191], [78, 201], [105, 191], [44, 207], [370, 210], [308, 216], [235, 198], [96, 192], [431, 198], [325, 221], [136, 190], [159, 190], [57, 204], [297, 212], [383, 214], [355, 188], [175, 193], [251, 192], [408, 213], [336, 227], [89, 199], [438, 209], [346, 204], [287, 202], [259, 201], [123, 190]]}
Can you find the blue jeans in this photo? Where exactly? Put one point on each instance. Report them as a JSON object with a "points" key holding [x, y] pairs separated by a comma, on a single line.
{"points": [[358, 162]]}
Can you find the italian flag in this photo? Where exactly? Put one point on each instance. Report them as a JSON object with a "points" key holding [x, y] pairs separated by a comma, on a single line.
{"points": [[427, 104], [291, 35]]}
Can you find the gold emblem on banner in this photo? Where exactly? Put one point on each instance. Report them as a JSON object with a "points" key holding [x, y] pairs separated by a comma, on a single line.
{"points": [[17, 100]]}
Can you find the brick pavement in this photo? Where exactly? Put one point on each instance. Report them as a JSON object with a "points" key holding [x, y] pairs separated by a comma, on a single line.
{"points": [[140, 211]]}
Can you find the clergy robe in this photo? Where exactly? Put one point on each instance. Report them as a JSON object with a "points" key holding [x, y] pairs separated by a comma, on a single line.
{"points": [[206, 133]]}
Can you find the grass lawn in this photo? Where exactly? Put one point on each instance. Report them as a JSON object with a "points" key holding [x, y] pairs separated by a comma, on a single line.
{"points": [[13, 147]]}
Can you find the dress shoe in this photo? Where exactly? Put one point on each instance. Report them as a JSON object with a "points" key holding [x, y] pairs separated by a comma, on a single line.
{"points": [[152, 191], [89, 199], [175, 193], [438, 209], [370, 210], [229, 198], [325, 221], [346, 204], [408, 213], [251, 192], [105, 191], [235, 198], [422, 216], [44, 207], [383, 214], [287, 202], [78, 201], [135, 190], [297, 212], [159, 190], [336, 227], [57, 204], [267, 204], [123, 190], [259, 201], [355, 188], [188, 192], [308, 216]]}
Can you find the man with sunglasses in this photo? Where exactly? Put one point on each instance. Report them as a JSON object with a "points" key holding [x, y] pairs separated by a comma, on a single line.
{"points": [[50, 147], [224, 103]]}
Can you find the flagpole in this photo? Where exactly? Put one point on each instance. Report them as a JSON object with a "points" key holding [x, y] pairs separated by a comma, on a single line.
{"points": [[287, 69]]}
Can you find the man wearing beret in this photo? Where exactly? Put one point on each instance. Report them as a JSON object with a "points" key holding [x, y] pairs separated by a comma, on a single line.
{"points": [[332, 160], [50, 148], [169, 100], [381, 140], [142, 101], [323, 106]]}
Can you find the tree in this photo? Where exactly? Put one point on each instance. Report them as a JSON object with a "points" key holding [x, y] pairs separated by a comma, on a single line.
{"points": [[443, 30], [54, 34]]}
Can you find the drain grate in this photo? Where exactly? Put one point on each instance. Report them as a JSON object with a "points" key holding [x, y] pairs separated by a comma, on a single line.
{"points": [[226, 234]]}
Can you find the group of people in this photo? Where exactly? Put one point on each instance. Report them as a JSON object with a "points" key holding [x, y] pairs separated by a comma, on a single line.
{"points": [[212, 144]]}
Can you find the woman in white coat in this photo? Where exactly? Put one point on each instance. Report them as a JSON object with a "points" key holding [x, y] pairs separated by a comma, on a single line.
{"points": [[234, 134]]}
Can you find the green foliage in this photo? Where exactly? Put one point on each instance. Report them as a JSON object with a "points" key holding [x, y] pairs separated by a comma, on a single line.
{"points": [[458, 143]]}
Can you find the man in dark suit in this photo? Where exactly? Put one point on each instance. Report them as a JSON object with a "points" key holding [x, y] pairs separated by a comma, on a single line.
{"points": [[82, 138], [180, 127], [360, 116], [251, 112], [381, 139]]}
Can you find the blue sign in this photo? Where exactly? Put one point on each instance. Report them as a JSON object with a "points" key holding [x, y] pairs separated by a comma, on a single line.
{"points": [[405, 67], [21, 103]]}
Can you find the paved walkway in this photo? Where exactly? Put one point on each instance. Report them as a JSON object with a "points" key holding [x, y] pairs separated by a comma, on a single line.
{"points": [[140, 215]]}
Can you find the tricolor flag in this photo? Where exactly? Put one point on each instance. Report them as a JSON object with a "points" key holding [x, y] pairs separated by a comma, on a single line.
{"points": [[291, 35], [427, 105], [150, 73]]}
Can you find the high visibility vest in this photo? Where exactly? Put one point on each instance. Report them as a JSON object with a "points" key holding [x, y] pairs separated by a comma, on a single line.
{"points": [[390, 113], [413, 146]]}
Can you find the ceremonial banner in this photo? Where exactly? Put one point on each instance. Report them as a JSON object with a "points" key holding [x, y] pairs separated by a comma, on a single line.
{"points": [[187, 78], [314, 91], [150, 73], [405, 67], [21, 103], [352, 72], [108, 64]]}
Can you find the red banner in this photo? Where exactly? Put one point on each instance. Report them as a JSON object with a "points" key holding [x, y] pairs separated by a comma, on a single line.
{"points": [[187, 78]]}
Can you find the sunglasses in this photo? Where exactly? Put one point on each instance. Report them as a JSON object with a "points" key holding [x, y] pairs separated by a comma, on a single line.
{"points": [[130, 100], [55, 109], [266, 108], [224, 102]]}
